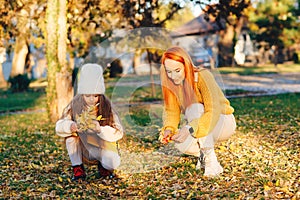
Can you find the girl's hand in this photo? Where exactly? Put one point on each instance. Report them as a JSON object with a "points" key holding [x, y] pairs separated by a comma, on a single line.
{"points": [[97, 126], [73, 127], [182, 135]]}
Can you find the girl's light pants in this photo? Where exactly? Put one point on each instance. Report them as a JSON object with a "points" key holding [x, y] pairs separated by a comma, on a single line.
{"points": [[110, 160]]}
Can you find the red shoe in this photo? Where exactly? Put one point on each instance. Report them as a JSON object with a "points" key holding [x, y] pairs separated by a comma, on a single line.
{"points": [[78, 171], [104, 172]]}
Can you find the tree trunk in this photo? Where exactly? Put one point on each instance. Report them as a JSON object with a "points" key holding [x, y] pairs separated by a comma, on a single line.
{"points": [[228, 41], [21, 47], [52, 60], [59, 89], [225, 46], [20, 52], [3, 82], [136, 60], [64, 77]]}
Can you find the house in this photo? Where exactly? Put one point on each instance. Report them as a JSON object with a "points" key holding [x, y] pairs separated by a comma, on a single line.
{"points": [[200, 38]]}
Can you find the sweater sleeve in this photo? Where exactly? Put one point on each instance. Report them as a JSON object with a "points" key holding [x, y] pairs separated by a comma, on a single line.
{"points": [[112, 134], [171, 112], [63, 127], [210, 93]]}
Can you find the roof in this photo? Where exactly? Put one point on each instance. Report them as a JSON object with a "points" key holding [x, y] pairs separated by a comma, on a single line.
{"points": [[197, 26]]}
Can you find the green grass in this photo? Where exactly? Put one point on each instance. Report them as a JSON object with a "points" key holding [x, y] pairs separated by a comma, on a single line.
{"points": [[31, 100], [261, 161], [134, 94]]}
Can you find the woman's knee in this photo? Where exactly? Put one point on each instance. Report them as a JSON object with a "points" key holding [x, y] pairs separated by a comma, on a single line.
{"points": [[194, 111], [190, 146], [225, 128]]}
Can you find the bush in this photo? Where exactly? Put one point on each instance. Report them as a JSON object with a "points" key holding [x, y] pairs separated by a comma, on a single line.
{"points": [[19, 83]]}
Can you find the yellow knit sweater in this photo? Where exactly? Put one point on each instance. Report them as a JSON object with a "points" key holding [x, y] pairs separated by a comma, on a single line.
{"points": [[210, 95]]}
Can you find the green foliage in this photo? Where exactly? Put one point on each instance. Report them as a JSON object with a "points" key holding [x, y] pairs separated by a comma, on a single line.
{"points": [[181, 17], [276, 22], [146, 14], [19, 83]]}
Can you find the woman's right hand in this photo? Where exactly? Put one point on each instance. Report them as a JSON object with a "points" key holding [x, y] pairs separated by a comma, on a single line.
{"points": [[166, 137]]}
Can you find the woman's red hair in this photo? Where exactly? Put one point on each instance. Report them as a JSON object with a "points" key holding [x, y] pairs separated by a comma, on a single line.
{"points": [[180, 55]]}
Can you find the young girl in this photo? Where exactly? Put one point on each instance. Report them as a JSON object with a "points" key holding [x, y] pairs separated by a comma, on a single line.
{"points": [[90, 126], [195, 93]]}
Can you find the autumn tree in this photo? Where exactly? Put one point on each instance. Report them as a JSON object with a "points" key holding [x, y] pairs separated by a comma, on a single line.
{"points": [[90, 23], [234, 13], [4, 35], [148, 14], [19, 24], [81, 24], [275, 22]]}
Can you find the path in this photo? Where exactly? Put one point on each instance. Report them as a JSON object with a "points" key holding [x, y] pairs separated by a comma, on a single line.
{"points": [[266, 83], [261, 84]]}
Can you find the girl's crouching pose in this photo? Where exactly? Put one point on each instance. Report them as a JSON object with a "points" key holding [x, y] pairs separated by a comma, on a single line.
{"points": [[90, 126]]}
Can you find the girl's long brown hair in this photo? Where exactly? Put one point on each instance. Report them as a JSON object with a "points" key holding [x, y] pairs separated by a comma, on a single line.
{"points": [[168, 87], [104, 108]]}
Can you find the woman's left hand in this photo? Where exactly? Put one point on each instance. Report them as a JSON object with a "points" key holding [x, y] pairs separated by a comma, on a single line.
{"points": [[182, 135]]}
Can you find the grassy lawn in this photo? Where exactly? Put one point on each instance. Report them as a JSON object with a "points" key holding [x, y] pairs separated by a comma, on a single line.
{"points": [[31, 100], [261, 161]]}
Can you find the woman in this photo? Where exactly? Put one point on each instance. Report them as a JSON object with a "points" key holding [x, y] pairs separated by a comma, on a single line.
{"points": [[195, 93], [90, 127]]}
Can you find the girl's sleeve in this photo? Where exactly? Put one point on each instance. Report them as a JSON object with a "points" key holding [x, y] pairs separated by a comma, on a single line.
{"points": [[112, 134], [63, 127]]}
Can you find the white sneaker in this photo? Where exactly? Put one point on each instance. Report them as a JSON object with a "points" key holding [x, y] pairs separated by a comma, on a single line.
{"points": [[212, 166]]}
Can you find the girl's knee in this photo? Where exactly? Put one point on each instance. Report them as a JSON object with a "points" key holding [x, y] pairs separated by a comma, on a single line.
{"points": [[110, 160], [72, 141]]}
